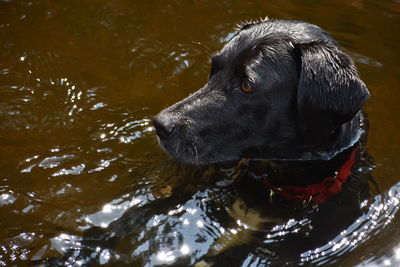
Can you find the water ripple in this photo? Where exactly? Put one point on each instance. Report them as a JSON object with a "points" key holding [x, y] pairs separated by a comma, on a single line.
{"points": [[125, 133], [380, 213]]}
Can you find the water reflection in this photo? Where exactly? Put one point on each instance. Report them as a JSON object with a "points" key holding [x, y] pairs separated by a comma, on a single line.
{"points": [[205, 227], [111, 211], [127, 132], [391, 259], [7, 198], [377, 216]]}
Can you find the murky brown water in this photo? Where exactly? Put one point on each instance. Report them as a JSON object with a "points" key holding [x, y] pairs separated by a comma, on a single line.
{"points": [[79, 83]]}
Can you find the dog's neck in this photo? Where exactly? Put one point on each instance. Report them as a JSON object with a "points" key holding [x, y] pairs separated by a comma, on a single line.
{"points": [[309, 181], [343, 138]]}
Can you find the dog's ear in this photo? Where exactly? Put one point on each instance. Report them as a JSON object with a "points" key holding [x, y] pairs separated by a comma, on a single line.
{"points": [[330, 91]]}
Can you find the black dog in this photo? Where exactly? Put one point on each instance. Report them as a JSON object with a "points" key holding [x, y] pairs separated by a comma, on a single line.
{"points": [[284, 91], [278, 90]]}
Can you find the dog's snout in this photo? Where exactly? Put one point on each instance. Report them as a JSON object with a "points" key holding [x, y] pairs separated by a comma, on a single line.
{"points": [[164, 126]]}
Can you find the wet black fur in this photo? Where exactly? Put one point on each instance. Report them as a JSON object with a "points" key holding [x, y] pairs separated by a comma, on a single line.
{"points": [[305, 101]]}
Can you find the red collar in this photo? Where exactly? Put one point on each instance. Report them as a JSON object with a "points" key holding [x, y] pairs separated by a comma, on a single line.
{"points": [[316, 193]]}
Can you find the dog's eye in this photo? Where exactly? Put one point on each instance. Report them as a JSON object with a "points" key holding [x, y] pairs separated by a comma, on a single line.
{"points": [[246, 88]]}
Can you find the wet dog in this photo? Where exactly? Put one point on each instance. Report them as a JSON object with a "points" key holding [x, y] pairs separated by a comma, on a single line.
{"points": [[278, 90], [283, 91]]}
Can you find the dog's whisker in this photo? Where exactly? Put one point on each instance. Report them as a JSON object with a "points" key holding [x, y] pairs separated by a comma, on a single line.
{"points": [[197, 153]]}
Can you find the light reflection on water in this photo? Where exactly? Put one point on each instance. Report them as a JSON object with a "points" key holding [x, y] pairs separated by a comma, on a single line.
{"points": [[378, 215], [110, 212], [392, 259], [188, 230]]}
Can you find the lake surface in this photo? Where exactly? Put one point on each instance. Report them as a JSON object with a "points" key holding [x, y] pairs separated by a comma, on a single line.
{"points": [[79, 84]]}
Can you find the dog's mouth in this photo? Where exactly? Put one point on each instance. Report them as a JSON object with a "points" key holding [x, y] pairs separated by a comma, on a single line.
{"points": [[191, 152], [182, 151]]}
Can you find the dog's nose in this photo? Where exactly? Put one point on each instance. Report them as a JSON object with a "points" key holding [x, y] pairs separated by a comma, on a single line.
{"points": [[164, 126]]}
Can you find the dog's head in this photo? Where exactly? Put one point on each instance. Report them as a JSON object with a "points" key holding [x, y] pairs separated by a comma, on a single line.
{"points": [[275, 85]]}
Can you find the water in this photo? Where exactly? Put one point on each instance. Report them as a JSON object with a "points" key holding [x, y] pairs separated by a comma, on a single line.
{"points": [[79, 83]]}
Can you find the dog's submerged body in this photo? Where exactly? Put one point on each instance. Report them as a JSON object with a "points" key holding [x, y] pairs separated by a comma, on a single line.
{"points": [[277, 90]]}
